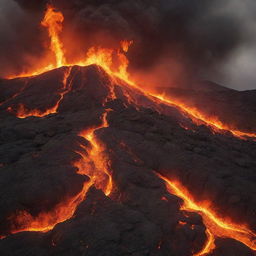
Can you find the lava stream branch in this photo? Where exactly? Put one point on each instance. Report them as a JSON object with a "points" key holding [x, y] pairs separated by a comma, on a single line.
{"points": [[94, 164], [16, 94], [196, 116], [216, 226], [22, 112]]}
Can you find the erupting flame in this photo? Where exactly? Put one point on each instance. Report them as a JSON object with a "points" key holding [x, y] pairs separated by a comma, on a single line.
{"points": [[199, 117], [216, 226], [94, 162], [23, 112], [53, 21]]}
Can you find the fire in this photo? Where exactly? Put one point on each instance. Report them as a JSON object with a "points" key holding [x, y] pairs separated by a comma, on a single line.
{"points": [[95, 163], [216, 226], [53, 21]]}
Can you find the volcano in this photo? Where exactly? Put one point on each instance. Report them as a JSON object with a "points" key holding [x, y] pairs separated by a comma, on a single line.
{"points": [[93, 165]]}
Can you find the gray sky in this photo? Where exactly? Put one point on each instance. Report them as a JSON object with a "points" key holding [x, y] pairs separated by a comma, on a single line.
{"points": [[237, 70]]}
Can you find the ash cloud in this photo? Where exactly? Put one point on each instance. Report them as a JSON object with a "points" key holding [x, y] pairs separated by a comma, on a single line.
{"points": [[20, 37], [187, 39]]}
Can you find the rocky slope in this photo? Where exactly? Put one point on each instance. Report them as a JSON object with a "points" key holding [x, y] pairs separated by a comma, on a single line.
{"points": [[141, 139]]}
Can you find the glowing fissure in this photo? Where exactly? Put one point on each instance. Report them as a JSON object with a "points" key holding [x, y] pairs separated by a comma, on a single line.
{"points": [[94, 164], [23, 112], [15, 95], [46, 221], [197, 116], [216, 226]]}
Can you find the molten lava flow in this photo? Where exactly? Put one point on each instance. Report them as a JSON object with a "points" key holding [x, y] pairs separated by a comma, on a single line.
{"points": [[94, 163], [209, 245], [199, 117], [53, 21], [216, 226], [46, 221], [23, 112], [15, 95]]}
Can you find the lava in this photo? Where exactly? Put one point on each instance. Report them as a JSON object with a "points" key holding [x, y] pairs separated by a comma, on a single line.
{"points": [[94, 164], [198, 117], [23, 112], [216, 226], [46, 221], [209, 245], [103, 57]]}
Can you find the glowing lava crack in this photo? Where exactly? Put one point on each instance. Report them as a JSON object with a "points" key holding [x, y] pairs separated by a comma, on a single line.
{"points": [[94, 164], [216, 226], [104, 57], [23, 112]]}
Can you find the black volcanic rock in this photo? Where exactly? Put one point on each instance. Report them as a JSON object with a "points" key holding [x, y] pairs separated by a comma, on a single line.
{"points": [[237, 109], [139, 217]]}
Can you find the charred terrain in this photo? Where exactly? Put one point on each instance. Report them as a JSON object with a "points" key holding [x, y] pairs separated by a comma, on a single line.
{"points": [[91, 165], [94, 163]]}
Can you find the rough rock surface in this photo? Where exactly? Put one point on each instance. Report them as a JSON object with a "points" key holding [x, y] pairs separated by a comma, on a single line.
{"points": [[139, 217]]}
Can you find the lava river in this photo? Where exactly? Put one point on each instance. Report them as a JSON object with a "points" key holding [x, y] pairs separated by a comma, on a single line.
{"points": [[215, 225], [94, 164]]}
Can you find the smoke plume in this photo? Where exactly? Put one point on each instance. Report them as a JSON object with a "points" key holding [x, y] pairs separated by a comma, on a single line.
{"points": [[174, 41]]}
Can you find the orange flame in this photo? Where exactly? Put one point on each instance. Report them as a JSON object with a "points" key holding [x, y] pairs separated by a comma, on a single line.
{"points": [[53, 21], [216, 226]]}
